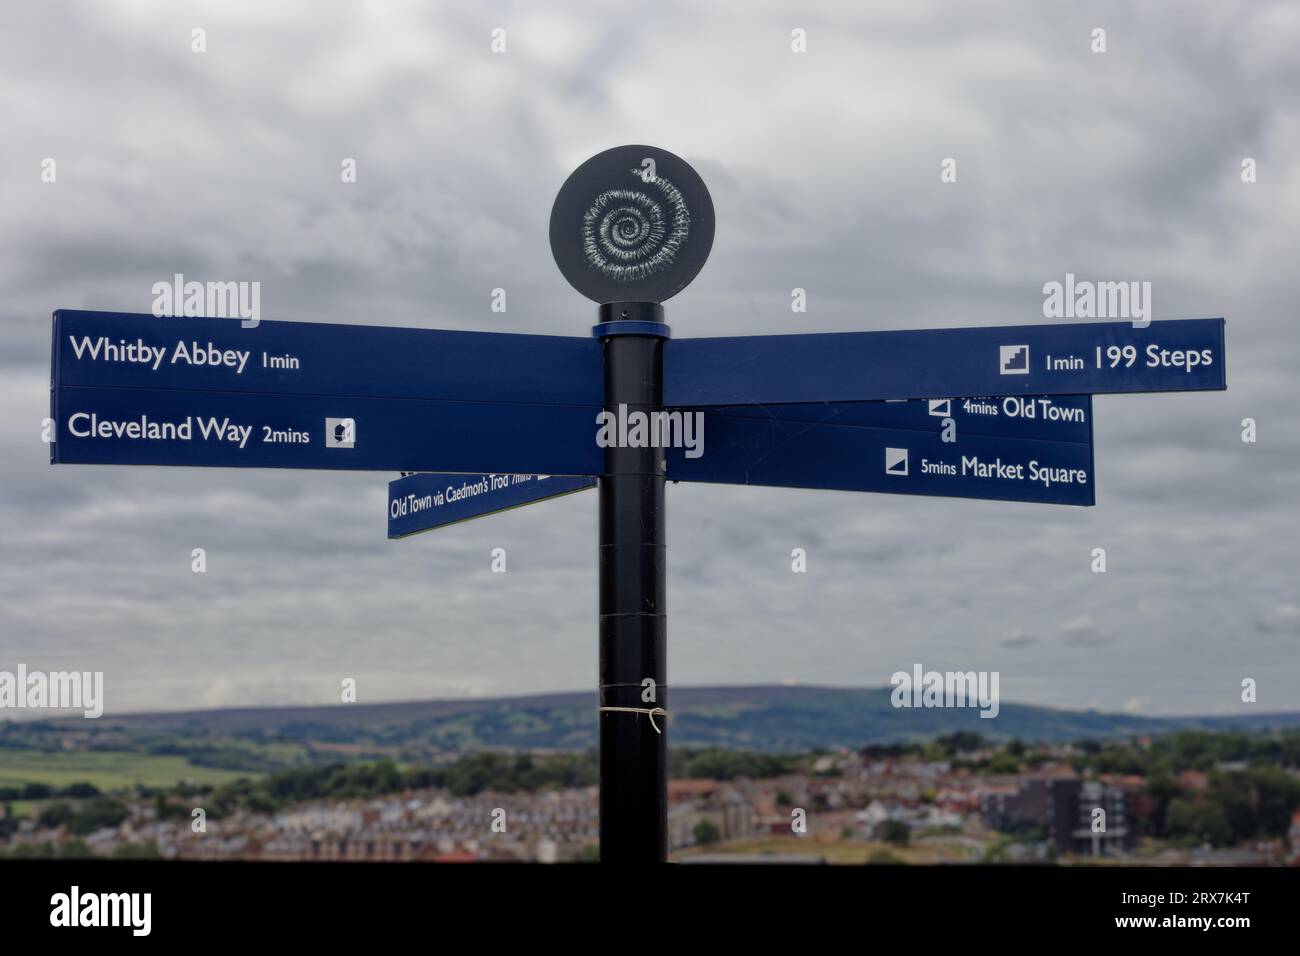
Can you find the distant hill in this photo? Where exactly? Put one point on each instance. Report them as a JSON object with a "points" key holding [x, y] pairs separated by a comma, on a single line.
{"points": [[761, 718]]}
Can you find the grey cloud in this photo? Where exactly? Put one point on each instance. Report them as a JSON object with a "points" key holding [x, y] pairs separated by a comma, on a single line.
{"points": [[824, 171]]}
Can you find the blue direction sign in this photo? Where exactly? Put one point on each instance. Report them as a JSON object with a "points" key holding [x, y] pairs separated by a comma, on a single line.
{"points": [[422, 502], [126, 350], [137, 389], [1055, 418], [749, 450], [155, 426], [1077, 359]]}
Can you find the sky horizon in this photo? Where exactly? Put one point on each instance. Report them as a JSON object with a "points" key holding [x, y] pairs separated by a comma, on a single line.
{"points": [[825, 172], [28, 715]]}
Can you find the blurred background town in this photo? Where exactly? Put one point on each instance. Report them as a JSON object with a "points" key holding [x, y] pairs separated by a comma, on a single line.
{"points": [[472, 781]]}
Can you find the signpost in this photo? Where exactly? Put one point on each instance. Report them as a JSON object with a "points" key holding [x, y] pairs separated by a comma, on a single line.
{"points": [[1011, 448], [1177, 355], [489, 421], [630, 228], [142, 390], [125, 350], [747, 450], [142, 426], [426, 501], [1058, 418]]}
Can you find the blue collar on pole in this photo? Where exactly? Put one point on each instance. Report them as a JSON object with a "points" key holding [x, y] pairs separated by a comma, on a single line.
{"points": [[631, 327]]}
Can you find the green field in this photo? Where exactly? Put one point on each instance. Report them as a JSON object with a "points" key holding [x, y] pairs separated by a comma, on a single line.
{"points": [[106, 770]]}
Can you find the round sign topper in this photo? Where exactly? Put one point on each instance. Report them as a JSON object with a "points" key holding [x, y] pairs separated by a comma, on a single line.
{"points": [[632, 224]]}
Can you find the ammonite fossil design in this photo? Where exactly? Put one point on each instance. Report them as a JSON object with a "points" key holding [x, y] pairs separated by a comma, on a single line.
{"points": [[619, 235], [632, 233]]}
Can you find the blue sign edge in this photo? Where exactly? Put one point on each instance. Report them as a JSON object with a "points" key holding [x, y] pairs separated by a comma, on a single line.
{"points": [[1092, 465], [695, 402], [596, 385], [494, 511]]}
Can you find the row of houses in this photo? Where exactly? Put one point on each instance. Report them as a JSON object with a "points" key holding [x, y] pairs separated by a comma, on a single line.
{"points": [[1052, 812]]}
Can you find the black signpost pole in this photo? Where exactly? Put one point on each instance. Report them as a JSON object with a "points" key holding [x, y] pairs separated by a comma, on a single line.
{"points": [[631, 227], [633, 612]]}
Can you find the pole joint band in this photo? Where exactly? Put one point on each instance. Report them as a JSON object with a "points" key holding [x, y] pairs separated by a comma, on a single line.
{"points": [[648, 711], [631, 318]]}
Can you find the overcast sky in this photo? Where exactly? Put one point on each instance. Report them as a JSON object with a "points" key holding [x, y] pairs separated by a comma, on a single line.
{"points": [[824, 171]]}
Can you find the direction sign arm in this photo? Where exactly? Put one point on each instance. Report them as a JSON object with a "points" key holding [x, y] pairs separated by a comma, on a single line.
{"points": [[1075, 359], [752, 450]]}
